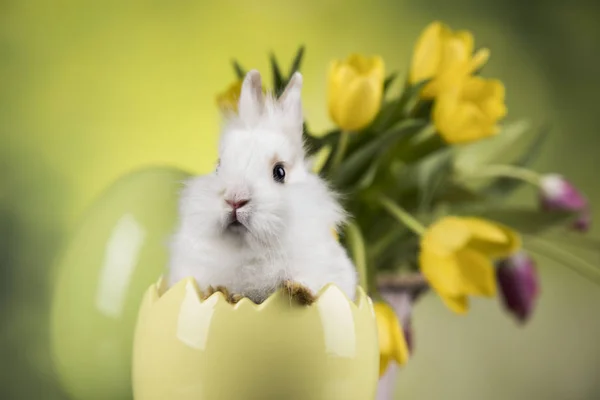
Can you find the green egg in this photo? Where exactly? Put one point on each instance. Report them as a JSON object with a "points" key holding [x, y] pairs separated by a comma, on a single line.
{"points": [[118, 250]]}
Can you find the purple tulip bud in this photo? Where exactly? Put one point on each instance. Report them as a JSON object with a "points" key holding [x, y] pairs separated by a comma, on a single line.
{"points": [[518, 282], [556, 193]]}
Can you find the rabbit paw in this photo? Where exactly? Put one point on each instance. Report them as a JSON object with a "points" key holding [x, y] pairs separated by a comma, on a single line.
{"points": [[212, 290], [234, 298], [299, 293]]}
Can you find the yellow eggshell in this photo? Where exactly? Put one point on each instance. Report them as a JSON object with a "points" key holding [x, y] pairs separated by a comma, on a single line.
{"points": [[188, 349]]}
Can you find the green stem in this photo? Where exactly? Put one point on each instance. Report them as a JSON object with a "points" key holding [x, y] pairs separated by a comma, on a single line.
{"points": [[578, 264], [504, 171], [359, 253], [417, 108], [340, 150], [384, 242], [402, 216], [425, 134]]}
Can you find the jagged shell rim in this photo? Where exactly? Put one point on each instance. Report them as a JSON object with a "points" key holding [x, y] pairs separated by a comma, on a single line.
{"points": [[159, 289]]}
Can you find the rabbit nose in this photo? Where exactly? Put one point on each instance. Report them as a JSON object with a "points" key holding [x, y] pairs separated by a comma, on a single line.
{"points": [[235, 204]]}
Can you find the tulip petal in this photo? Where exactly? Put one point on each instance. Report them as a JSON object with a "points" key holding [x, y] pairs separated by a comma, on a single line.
{"points": [[399, 348], [478, 89], [457, 255], [479, 59], [392, 344], [400, 353], [487, 94], [466, 124], [384, 361], [382, 316], [442, 273], [466, 38], [360, 103], [367, 66], [458, 304], [454, 55], [478, 273], [486, 230], [427, 53], [339, 74], [468, 108], [446, 236], [492, 239], [355, 89], [444, 109]]}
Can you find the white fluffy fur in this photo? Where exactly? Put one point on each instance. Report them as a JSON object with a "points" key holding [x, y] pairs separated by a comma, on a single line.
{"points": [[287, 227]]}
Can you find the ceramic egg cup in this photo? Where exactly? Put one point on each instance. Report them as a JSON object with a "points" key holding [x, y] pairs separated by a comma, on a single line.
{"points": [[186, 348]]}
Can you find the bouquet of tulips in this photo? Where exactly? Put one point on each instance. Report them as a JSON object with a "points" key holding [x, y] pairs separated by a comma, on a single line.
{"points": [[425, 172]]}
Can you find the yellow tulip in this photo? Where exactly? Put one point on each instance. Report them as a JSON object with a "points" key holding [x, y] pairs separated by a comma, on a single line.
{"points": [[228, 100], [355, 90], [457, 256], [470, 110], [392, 344], [443, 55]]}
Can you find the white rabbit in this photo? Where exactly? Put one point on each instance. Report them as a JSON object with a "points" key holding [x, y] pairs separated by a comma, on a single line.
{"points": [[262, 217]]}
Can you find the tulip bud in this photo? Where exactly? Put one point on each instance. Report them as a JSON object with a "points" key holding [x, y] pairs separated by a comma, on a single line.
{"points": [[556, 193], [518, 282], [355, 90]]}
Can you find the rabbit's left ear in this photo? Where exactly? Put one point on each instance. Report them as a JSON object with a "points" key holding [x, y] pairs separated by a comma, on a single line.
{"points": [[291, 99], [251, 100]]}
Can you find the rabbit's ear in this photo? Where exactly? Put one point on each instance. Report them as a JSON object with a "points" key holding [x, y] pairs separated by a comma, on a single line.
{"points": [[252, 100], [291, 99]]}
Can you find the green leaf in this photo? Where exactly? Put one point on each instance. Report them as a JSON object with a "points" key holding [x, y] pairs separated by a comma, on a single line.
{"points": [[356, 244], [522, 219], [357, 162], [278, 80], [505, 186], [400, 252], [331, 139], [388, 82], [425, 178], [470, 157], [314, 143], [396, 109], [368, 177], [555, 252], [576, 240], [456, 193], [419, 146], [535, 147], [320, 158], [297, 62], [239, 71], [431, 173]]}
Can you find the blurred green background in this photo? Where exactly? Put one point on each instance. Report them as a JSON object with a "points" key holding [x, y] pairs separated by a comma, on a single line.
{"points": [[92, 90]]}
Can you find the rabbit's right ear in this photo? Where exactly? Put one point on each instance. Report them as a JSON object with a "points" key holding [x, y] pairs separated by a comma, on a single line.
{"points": [[252, 100], [291, 99]]}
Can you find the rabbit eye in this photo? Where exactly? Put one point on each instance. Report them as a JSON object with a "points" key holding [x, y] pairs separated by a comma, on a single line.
{"points": [[279, 173], [218, 165]]}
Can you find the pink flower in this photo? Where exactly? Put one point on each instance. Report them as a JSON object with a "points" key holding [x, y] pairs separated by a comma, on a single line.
{"points": [[519, 287], [556, 193]]}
